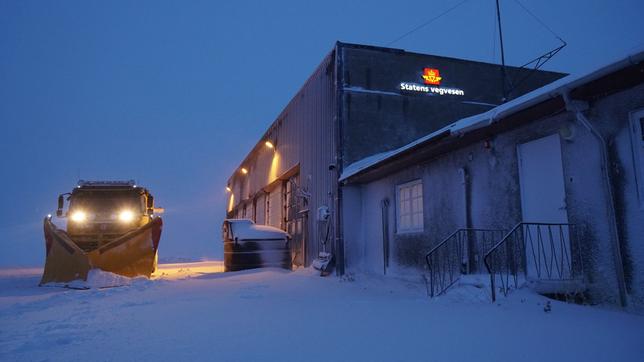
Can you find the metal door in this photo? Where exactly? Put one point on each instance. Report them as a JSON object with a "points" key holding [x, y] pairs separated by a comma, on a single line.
{"points": [[296, 220], [543, 198]]}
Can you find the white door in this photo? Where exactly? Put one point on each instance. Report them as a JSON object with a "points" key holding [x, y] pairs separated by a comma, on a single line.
{"points": [[260, 211], [543, 200]]}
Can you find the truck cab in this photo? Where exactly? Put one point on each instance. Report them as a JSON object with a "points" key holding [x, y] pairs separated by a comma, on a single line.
{"points": [[101, 211]]}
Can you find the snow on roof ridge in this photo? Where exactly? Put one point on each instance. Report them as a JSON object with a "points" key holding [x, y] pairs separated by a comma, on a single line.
{"points": [[480, 120]]}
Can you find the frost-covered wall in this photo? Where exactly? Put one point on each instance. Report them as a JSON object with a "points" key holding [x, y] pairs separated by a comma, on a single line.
{"points": [[488, 173], [612, 116]]}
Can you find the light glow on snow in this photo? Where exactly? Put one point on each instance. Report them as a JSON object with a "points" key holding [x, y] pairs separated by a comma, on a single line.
{"points": [[177, 271]]}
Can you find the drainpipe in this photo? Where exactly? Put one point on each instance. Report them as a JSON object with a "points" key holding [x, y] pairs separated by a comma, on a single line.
{"points": [[471, 249], [577, 107], [339, 236], [384, 209]]}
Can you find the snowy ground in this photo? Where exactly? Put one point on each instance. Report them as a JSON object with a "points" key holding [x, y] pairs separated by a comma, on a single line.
{"points": [[191, 311]]}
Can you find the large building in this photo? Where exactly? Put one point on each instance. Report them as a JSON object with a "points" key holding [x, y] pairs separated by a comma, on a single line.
{"points": [[359, 102]]}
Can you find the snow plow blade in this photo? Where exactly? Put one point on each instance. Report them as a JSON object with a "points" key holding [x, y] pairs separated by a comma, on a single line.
{"points": [[132, 254]]}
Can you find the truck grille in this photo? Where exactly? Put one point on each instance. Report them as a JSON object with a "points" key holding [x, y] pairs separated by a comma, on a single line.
{"points": [[91, 242]]}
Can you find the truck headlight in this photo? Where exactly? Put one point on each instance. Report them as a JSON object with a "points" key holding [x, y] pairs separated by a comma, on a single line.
{"points": [[126, 216], [79, 216]]}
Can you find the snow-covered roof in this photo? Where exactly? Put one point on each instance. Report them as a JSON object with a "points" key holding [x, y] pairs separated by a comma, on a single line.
{"points": [[481, 120]]}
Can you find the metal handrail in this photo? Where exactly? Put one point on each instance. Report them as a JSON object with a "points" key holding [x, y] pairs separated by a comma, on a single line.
{"points": [[446, 262], [558, 257], [429, 264]]}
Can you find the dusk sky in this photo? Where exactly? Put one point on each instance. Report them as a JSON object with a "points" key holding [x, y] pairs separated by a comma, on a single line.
{"points": [[174, 94]]}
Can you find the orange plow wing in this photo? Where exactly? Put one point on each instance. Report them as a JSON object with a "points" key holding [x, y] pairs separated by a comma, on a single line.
{"points": [[133, 254]]}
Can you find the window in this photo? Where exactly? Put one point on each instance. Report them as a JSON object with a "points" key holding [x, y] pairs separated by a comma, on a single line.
{"points": [[637, 133], [410, 207]]}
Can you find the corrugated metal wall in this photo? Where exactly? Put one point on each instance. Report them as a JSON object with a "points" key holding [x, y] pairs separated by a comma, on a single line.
{"points": [[303, 136]]}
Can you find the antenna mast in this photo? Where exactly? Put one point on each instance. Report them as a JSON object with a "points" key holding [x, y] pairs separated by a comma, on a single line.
{"points": [[503, 75]]}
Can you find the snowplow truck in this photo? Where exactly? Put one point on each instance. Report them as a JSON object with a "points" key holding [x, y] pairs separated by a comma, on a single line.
{"points": [[110, 225]]}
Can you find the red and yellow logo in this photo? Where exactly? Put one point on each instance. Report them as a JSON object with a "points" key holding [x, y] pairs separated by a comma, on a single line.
{"points": [[431, 76]]}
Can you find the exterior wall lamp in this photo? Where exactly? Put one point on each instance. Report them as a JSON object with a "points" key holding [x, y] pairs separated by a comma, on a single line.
{"points": [[228, 189], [244, 170], [270, 145]]}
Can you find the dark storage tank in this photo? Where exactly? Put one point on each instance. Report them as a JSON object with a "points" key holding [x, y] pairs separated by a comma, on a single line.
{"points": [[248, 246]]}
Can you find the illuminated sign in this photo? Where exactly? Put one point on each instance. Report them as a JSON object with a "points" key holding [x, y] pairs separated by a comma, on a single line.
{"points": [[431, 76], [413, 87], [432, 80]]}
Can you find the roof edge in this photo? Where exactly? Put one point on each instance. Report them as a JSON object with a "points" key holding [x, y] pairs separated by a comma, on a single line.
{"points": [[281, 113]]}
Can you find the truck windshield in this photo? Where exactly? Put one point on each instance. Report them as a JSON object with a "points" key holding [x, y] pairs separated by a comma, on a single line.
{"points": [[107, 201]]}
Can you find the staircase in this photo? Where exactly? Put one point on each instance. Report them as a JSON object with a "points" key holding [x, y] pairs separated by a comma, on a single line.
{"points": [[459, 253], [544, 256]]}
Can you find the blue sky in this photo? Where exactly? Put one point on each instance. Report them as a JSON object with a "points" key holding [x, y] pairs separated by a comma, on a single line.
{"points": [[173, 94]]}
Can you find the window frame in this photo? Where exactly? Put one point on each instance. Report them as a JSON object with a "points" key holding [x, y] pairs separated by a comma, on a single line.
{"points": [[267, 208], [413, 229], [637, 149]]}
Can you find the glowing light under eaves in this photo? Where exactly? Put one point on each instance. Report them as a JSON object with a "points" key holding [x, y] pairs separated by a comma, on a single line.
{"points": [[275, 168], [231, 202]]}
